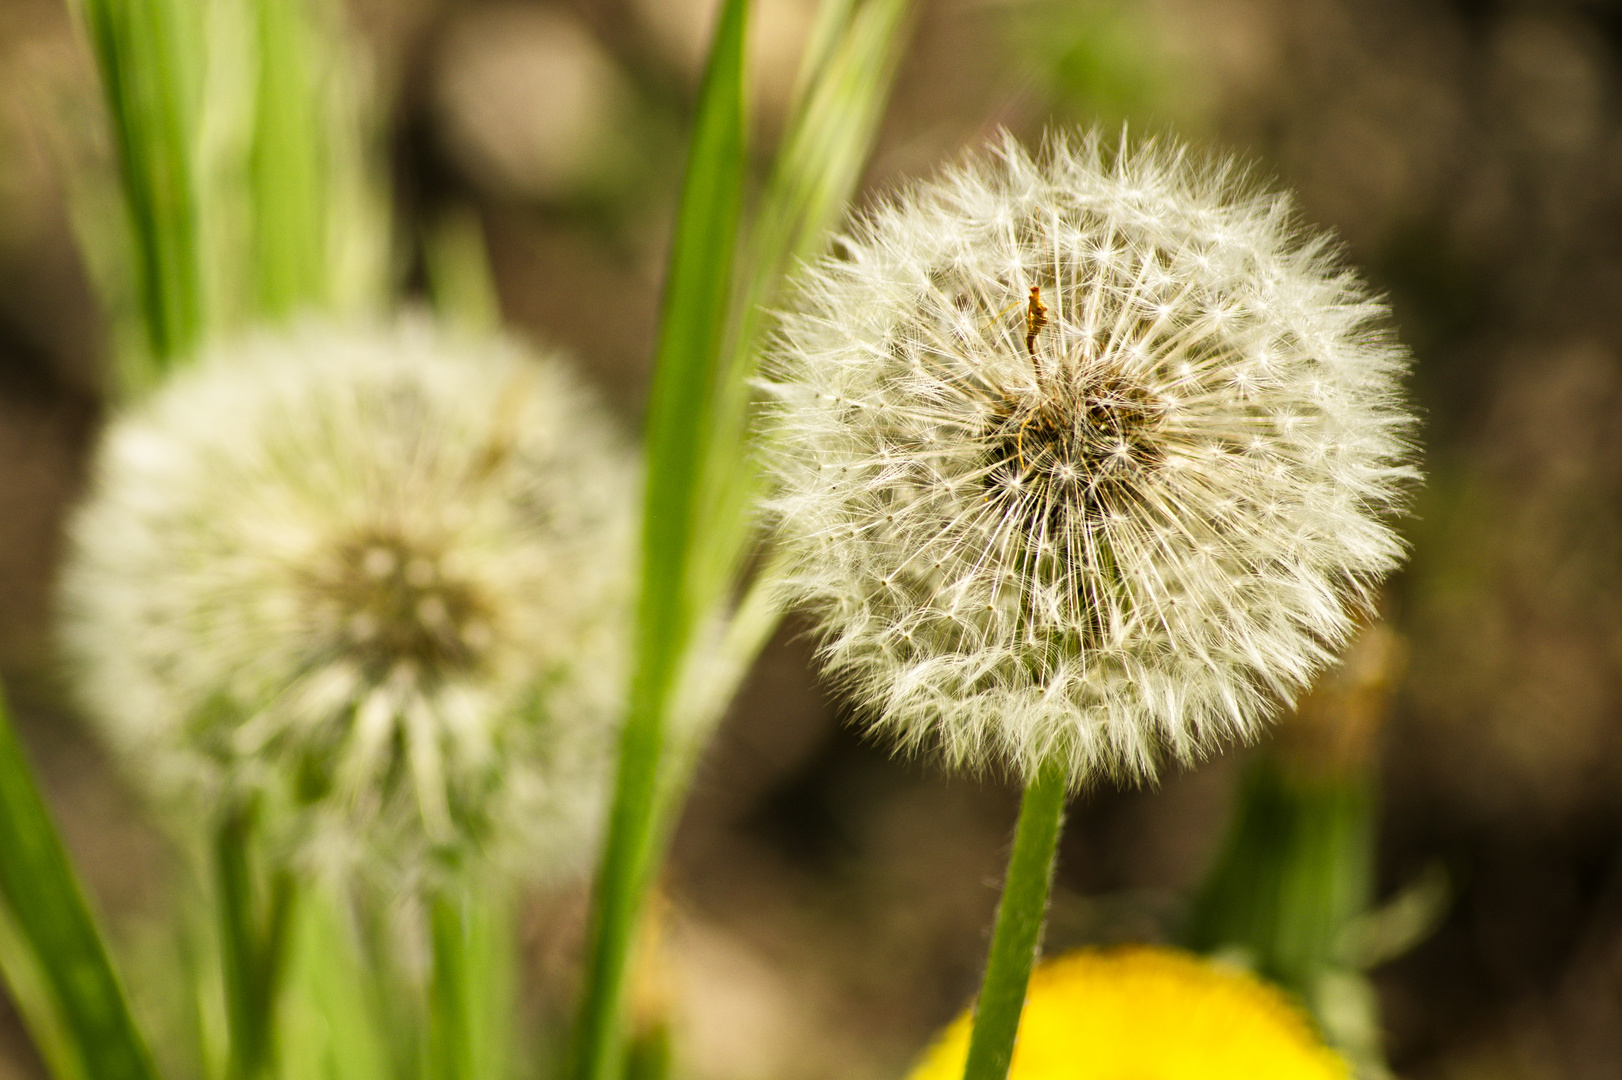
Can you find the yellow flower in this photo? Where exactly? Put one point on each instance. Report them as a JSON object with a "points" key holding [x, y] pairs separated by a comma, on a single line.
{"points": [[1148, 1014]]}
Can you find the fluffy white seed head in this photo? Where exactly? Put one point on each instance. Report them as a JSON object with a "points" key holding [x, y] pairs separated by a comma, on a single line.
{"points": [[1084, 456], [381, 575]]}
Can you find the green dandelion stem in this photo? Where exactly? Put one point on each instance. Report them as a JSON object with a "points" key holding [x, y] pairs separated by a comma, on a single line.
{"points": [[1018, 933], [49, 911], [681, 406]]}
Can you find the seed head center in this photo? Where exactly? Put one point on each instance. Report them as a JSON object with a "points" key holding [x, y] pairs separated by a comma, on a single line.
{"points": [[1076, 443], [389, 603]]}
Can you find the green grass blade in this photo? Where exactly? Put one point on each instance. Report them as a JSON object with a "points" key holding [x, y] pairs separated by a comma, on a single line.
{"points": [[288, 166], [253, 943], [32, 997], [331, 1031], [450, 1019], [471, 985], [845, 79], [1296, 869], [49, 911], [460, 281], [687, 364], [149, 53]]}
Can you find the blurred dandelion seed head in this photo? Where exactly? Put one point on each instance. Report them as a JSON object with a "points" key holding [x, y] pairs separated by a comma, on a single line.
{"points": [[381, 573], [1148, 1012], [1084, 455]]}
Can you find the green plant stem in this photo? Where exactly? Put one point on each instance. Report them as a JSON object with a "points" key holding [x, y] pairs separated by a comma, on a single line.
{"points": [[253, 945], [287, 167], [450, 1035], [693, 327], [39, 887], [842, 87], [1018, 933], [146, 50], [648, 1055], [470, 992]]}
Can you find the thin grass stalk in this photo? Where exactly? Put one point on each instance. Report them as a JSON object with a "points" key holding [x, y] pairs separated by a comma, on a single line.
{"points": [[288, 168], [49, 912], [681, 405], [844, 83], [1018, 933], [450, 1022], [329, 1026], [470, 1004], [842, 87], [254, 945], [147, 51]]}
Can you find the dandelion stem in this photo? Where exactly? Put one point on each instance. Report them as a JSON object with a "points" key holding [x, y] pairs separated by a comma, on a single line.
{"points": [[1018, 933]]}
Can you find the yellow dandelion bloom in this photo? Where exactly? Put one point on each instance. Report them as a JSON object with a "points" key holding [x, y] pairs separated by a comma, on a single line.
{"points": [[1148, 1014]]}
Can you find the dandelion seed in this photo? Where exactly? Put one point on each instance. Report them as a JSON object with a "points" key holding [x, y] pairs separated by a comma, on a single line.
{"points": [[377, 575], [1122, 525]]}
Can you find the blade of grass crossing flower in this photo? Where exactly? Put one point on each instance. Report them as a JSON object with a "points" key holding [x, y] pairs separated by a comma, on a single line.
{"points": [[681, 406], [50, 913], [1018, 932], [149, 52], [845, 82], [287, 169]]}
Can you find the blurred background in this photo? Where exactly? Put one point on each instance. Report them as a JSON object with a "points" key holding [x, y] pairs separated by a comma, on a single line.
{"points": [[827, 905]]}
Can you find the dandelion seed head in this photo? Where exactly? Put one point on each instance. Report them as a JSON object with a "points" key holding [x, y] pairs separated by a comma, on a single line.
{"points": [[1122, 527], [379, 574]]}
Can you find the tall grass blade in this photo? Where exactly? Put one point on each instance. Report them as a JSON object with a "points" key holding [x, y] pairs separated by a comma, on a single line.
{"points": [[288, 166], [471, 986], [50, 913], [702, 480], [149, 54], [331, 1029], [681, 407], [254, 919], [844, 82]]}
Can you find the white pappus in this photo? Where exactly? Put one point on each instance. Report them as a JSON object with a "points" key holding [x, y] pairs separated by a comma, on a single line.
{"points": [[1087, 456], [379, 573]]}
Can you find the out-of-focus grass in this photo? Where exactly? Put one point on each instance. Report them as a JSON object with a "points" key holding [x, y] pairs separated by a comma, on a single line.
{"points": [[50, 949], [681, 406], [698, 514], [149, 53]]}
